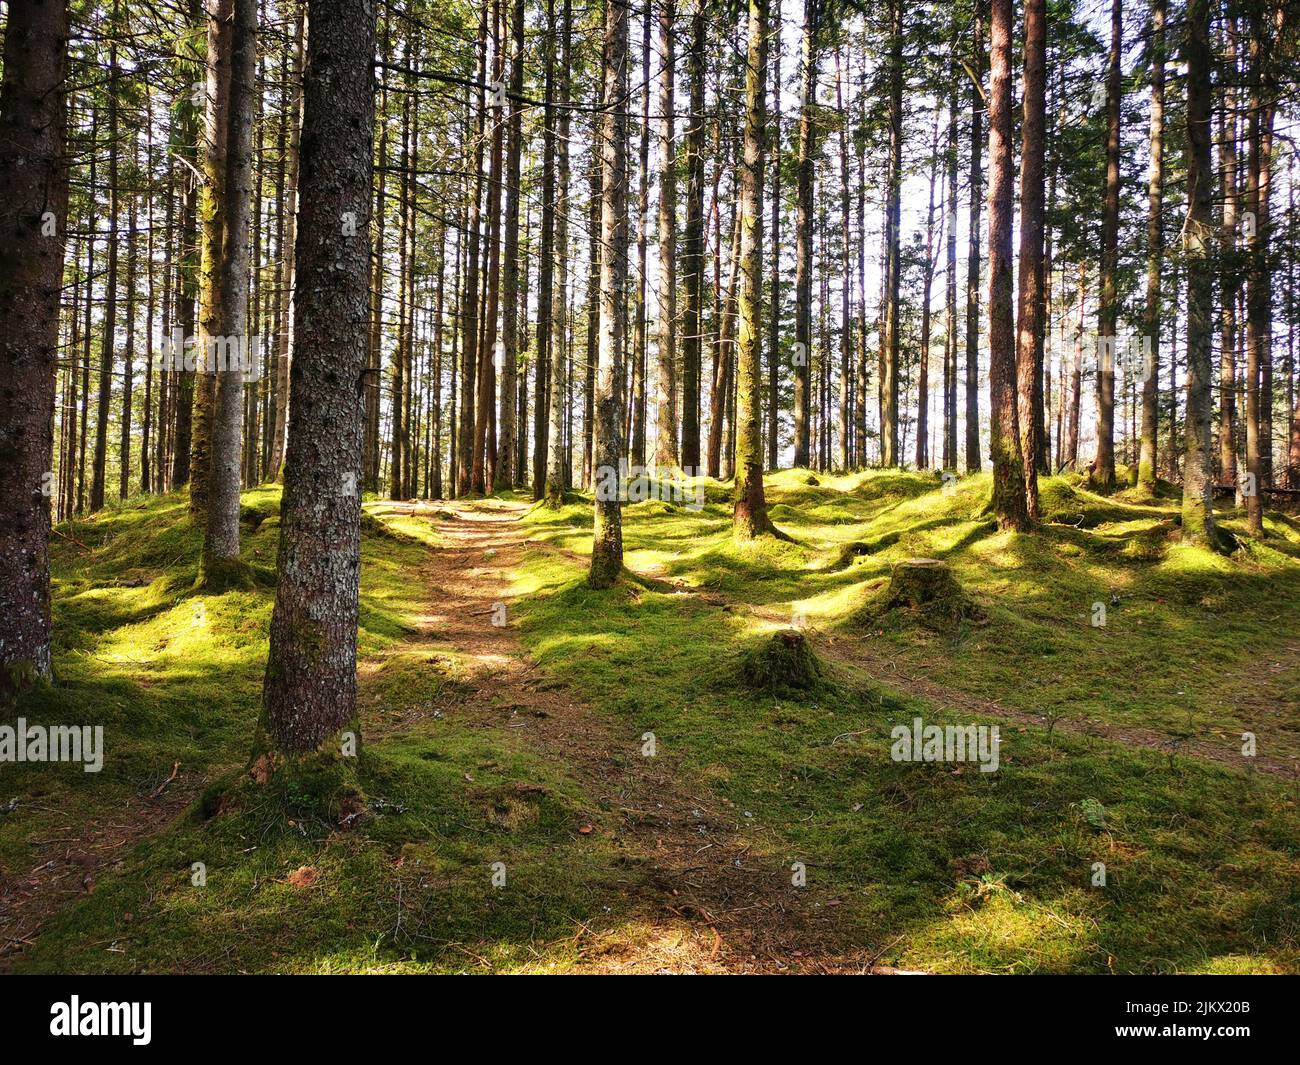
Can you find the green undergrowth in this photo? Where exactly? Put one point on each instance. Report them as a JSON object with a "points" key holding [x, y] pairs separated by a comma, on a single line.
{"points": [[391, 872], [967, 871], [933, 866]]}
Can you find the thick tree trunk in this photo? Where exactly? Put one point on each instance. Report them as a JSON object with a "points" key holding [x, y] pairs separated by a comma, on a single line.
{"points": [[310, 690], [557, 460], [1259, 278], [1155, 254], [693, 246], [973, 461], [891, 340], [927, 287], [1103, 474], [749, 517], [1029, 321], [212, 205], [108, 343], [845, 416], [950, 285], [607, 441], [553, 202], [469, 306], [1004, 437], [667, 453], [774, 282], [504, 472], [804, 177], [1230, 272], [221, 535], [1198, 485], [33, 224]]}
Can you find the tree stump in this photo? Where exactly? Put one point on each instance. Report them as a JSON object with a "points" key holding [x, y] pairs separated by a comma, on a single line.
{"points": [[785, 661], [927, 589]]}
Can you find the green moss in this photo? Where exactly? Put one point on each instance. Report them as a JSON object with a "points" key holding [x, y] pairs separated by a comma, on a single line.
{"points": [[784, 662], [930, 867], [220, 575]]}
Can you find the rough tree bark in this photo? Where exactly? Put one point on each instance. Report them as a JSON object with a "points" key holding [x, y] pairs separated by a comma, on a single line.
{"points": [[33, 219], [1004, 437], [667, 453], [1155, 254], [504, 473], [1029, 321], [557, 459], [749, 517], [310, 688], [891, 339], [804, 239], [972, 406], [607, 438], [1198, 484], [289, 209], [219, 564], [1103, 474], [693, 245]]}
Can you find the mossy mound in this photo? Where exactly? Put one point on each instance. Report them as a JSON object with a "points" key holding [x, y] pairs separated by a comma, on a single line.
{"points": [[925, 592], [782, 662], [220, 575], [320, 788]]}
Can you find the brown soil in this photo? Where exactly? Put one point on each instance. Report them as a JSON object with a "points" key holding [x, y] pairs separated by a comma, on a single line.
{"points": [[72, 858], [714, 897]]}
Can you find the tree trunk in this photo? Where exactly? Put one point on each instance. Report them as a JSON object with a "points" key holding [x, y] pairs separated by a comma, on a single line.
{"points": [[973, 461], [1230, 271], [1155, 255], [212, 204], [607, 441], [221, 536], [289, 211], [108, 344], [1004, 437], [485, 419], [553, 202], [749, 517], [1029, 322], [469, 307], [1259, 286], [891, 340], [693, 246], [1198, 485], [634, 424], [927, 287], [846, 274], [774, 283], [33, 223], [557, 459], [310, 689], [504, 473], [1103, 474], [804, 177], [950, 285], [667, 453]]}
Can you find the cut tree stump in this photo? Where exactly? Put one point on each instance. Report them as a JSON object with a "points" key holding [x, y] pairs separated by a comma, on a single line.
{"points": [[782, 662], [927, 589]]}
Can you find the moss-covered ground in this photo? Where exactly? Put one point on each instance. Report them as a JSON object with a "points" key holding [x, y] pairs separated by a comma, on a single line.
{"points": [[926, 866]]}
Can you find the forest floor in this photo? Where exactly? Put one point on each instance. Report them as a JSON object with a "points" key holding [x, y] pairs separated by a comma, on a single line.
{"points": [[589, 787]]}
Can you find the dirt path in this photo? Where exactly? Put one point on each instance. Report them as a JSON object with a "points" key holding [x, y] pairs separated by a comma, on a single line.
{"points": [[709, 901], [72, 858], [862, 656]]}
